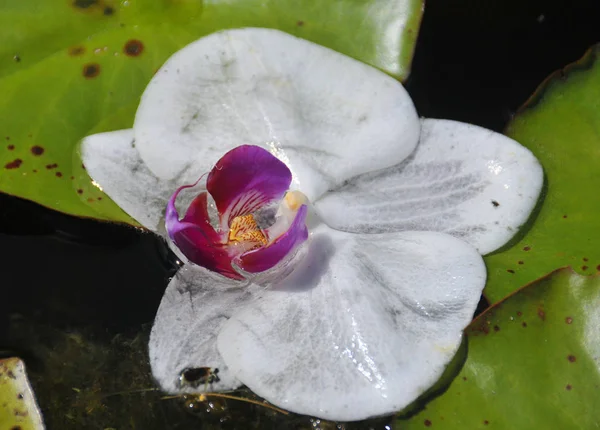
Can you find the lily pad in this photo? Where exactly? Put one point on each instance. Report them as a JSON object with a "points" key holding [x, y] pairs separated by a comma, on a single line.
{"points": [[67, 66], [533, 362], [560, 124], [18, 408]]}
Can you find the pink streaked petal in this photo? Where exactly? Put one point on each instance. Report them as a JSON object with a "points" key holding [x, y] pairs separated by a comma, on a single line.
{"points": [[196, 215], [267, 257], [195, 237], [197, 212], [210, 255], [245, 179]]}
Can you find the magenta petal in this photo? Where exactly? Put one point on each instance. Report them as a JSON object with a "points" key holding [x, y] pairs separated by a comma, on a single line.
{"points": [[245, 179], [212, 256], [196, 215], [267, 257], [197, 212], [195, 237]]}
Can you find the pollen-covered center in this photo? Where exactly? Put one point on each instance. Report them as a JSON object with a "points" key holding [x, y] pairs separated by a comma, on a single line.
{"points": [[245, 229]]}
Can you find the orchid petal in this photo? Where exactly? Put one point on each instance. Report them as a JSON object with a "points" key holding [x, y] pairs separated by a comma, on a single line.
{"points": [[191, 313], [245, 179], [362, 327], [463, 180], [198, 242], [327, 116], [197, 211], [269, 256], [112, 160]]}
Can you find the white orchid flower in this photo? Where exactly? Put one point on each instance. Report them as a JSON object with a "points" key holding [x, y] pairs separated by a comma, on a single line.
{"points": [[340, 259]]}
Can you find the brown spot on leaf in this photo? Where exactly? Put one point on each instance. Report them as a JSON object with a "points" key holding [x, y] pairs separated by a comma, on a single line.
{"points": [[585, 259], [564, 216], [16, 428], [108, 11], [486, 422], [133, 48], [527, 248], [541, 314], [568, 320], [90, 200], [524, 324], [464, 378], [427, 423], [84, 4], [519, 313], [37, 150], [34, 170], [15, 164], [58, 174], [496, 328], [584, 267], [571, 358], [51, 166], [76, 51], [568, 387], [99, 198], [79, 191], [510, 270], [19, 413], [11, 147], [521, 262], [300, 23], [91, 70]]}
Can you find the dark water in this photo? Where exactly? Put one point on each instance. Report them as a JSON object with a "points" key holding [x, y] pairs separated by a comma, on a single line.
{"points": [[78, 296]]}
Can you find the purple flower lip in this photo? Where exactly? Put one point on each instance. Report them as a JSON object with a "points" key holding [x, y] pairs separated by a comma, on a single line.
{"points": [[243, 181]]}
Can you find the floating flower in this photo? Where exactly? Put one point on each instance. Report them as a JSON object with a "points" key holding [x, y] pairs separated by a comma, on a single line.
{"points": [[245, 181], [384, 218]]}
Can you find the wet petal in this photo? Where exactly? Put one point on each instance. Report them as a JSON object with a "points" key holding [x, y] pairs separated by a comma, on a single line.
{"points": [[245, 179], [197, 240], [200, 250], [362, 327], [269, 256], [194, 307], [463, 180], [112, 160], [328, 116], [197, 211]]}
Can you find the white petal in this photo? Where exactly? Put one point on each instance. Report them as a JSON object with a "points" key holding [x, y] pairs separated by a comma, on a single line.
{"points": [[328, 116], [191, 313], [112, 160], [463, 180], [365, 325]]}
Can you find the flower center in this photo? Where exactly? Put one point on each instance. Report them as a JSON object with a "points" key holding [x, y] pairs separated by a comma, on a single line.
{"points": [[245, 229]]}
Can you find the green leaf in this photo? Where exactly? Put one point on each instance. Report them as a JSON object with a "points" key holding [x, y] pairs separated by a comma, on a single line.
{"points": [[533, 362], [67, 66], [561, 125], [18, 408]]}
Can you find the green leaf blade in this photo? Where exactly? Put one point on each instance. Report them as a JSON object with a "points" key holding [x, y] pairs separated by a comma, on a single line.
{"points": [[532, 362], [561, 126], [69, 66]]}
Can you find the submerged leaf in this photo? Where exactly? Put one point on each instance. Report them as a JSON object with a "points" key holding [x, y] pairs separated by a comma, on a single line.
{"points": [[532, 362], [18, 408], [560, 124]]}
